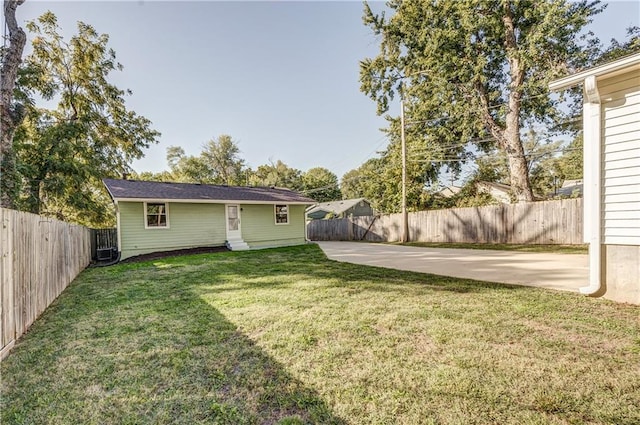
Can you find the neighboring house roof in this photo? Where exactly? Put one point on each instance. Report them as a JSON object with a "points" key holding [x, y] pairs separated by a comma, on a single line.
{"points": [[498, 186], [570, 191], [449, 191], [336, 207], [501, 192], [137, 190], [571, 183]]}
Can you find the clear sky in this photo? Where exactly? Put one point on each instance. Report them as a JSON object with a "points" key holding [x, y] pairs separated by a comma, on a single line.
{"points": [[280, 77]]}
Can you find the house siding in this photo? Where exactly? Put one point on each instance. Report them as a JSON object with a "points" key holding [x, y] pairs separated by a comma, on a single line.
{"points": [[622, 268], [259, 229], [190, 225], [620, 100], [611, 124], [360, 210]]}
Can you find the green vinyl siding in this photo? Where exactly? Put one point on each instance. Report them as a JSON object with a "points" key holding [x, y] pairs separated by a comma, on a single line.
{"points": [[190, 225], [259, 228]]}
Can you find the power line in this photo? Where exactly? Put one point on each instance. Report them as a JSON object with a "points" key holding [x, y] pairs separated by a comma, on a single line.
{"points": [[475, 158]]}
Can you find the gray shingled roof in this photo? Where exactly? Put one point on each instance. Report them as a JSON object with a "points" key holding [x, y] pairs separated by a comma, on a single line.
{"points": [[336, 207], [136, 189]]}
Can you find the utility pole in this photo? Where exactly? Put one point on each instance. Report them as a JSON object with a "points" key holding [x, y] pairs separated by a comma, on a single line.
{"points": [[405, 218]]}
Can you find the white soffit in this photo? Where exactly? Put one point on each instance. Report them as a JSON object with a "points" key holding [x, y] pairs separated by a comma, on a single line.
{"points": [[608, 69]]}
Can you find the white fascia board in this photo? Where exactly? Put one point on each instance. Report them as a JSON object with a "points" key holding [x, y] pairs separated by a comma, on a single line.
{"points": [[118, 227], [210, 201], [608, 69]]}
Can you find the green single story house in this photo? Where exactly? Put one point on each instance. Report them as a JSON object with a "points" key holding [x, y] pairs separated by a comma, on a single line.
{"points": [[163, 216]]}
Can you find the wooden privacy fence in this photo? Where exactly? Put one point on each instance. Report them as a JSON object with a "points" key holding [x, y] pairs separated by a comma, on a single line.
{"points": [[548, 222], [39, 257]]}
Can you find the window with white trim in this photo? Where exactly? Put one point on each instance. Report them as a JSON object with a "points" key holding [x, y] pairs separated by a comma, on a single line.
{"points": [[282, 214], [156, 215]]}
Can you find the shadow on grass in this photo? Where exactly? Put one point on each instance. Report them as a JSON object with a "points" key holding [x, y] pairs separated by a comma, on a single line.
{"points": [[260, 269], [147, 349]]}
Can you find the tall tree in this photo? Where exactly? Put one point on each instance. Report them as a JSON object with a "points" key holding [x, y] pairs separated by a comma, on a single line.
{"points": [[219, 162], [188, 168], [277, 174], [64, 152], [570, 164], [321, 184], [379, 179], [10, 114], [617, 49], [351, 184], [222, 156], [469, 70]]}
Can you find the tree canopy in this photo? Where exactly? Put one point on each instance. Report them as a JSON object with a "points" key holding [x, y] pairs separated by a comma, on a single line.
{"points": [[321, 185], [219, 162], [277, 174], [63, 152], [474, 72]]}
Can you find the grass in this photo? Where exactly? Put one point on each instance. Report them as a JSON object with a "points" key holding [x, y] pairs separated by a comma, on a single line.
{"points": [[560, 249], [286, 336]]}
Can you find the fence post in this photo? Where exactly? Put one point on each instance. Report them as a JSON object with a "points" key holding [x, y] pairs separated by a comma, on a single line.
{"points": [[93, 236], [519, 223], [37, 262]]}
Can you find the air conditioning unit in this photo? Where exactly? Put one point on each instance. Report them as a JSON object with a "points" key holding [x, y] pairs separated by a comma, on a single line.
{"points": [[104, 254]]}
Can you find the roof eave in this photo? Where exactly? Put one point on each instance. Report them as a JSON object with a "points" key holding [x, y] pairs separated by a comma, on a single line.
{"points": [[106, 186], [608, 69], [212, 201]]}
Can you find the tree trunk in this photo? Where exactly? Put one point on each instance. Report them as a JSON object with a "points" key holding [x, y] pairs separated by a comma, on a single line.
{"points": [[34, 203], [8, 118], [512, 144], [518, 167]]}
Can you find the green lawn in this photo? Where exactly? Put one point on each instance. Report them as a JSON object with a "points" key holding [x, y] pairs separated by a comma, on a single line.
{"points": [[286, 336], [561, 249]]}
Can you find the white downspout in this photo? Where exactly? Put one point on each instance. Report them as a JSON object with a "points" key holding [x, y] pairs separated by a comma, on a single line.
{"points": [[592, 172], [306, 225]]}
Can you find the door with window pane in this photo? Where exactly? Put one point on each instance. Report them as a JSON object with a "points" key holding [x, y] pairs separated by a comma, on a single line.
{"points": [[233, 222]]}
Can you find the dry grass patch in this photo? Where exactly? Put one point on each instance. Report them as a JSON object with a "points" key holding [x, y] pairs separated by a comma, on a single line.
{"points": [[559, 249]]}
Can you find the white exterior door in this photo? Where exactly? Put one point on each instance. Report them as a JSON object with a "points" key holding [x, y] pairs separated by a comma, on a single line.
{"points": [[233, 222]]}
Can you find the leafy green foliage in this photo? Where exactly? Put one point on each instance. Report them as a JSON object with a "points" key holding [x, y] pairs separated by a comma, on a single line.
{"points": [[321, 185], [223, 158], [63, 153], [277, 174], [219, 162], [618, 49], [570, 164], [380, 179], [469, 71]]}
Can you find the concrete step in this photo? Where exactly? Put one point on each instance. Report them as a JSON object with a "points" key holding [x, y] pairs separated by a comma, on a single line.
{"points": [[237, 245]]}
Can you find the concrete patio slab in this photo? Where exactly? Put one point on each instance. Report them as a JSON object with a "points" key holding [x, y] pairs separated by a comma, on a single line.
{"points": [[566, 272]]}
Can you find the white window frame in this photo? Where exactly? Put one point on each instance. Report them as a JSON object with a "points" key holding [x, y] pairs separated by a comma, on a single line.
{"points": [[275, 214], [166, 213]]}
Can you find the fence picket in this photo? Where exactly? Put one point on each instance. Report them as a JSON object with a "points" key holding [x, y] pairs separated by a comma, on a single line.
{"points": [[39, 257], [547, 222]]}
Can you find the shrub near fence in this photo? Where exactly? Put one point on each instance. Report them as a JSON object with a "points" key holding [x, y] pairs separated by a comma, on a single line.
{"points": [[548, 222], [39, 257]]}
